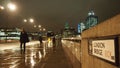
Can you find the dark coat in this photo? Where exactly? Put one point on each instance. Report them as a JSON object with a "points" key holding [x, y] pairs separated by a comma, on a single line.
{"points": [[40, 39], [24, 37], [53, 40]]}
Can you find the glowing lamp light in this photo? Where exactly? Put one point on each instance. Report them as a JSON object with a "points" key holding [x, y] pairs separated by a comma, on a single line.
{"points": [[11, 6], [40, 29], [25, 20], [31, 20], [1, 7], [44, 29], [39, 26]]}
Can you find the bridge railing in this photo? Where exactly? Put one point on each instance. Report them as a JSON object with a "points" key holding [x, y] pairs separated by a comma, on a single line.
{"points": [[72, 48]]}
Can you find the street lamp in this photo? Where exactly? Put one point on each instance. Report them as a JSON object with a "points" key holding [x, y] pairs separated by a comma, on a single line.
{"points": [[44, 29], [2, 8], [31, 20], [25, 20], [12, 6], [39, 26]]}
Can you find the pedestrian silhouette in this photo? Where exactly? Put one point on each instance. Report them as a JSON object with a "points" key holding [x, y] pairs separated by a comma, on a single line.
{"points": [[23, 39], [54, 43], [40, 39]]}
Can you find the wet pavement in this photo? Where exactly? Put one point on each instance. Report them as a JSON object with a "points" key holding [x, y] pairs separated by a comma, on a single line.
{"points": [[35, 56]]}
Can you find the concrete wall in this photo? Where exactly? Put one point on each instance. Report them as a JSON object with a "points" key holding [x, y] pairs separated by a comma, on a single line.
{"points": [[111, 28], [72, 50], [78, 51]]}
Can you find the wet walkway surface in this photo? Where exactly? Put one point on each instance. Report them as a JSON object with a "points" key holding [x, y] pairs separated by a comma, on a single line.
{"points": [[35, 56]]}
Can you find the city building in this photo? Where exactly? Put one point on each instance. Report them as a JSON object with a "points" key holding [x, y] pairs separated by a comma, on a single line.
{"points": [[91, 20], [68, 31], [9, 34], [81, 27]]}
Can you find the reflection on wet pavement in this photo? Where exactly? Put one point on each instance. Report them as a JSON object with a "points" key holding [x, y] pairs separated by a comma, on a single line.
{"points": [[14, 58]]}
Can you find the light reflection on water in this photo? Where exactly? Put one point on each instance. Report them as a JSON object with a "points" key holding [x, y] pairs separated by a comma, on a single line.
{"points": [[32, 61], [40, 55], [35, 56]]}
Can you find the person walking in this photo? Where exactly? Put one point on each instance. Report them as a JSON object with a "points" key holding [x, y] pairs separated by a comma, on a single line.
{"points": [[40, 39], [54, 43], [23, 39]]}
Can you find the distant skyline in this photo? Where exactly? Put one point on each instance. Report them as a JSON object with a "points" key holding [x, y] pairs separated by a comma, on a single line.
{"points": [[53, 14]]}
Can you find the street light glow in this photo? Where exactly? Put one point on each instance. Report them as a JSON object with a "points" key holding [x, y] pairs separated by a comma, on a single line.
{"points": [[11, 6], [25, 20], [1, 7], [35, 26], [39, 26], [44, 29], [40, 29], [31, 20]]}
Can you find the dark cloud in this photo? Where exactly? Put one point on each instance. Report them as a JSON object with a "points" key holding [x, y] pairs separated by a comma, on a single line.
{"points": [[53, 14]]}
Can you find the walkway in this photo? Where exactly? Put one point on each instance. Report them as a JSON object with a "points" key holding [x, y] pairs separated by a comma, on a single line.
{"points": [[34, 57]]}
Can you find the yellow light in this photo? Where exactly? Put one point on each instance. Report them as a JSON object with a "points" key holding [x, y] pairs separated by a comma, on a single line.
{"points": [[44, 29], [32, 61], [11, 6], [25, 20], [39, 26], [31, 20], [1, 7]]}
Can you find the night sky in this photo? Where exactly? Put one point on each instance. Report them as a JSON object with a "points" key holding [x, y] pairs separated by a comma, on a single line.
{"points": [[53, 14]]}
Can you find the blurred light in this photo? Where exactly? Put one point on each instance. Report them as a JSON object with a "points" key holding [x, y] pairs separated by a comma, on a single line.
{"points": [[32, 61], [49, 42], [11, 6], [40, 29], [72, 38], [35, 26], [44, 51], [1, 7], [14, 65], [62, 40], [31, 20], [76, 49], [44, 29], [39, 26], [25, 20], [40, 55]]}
